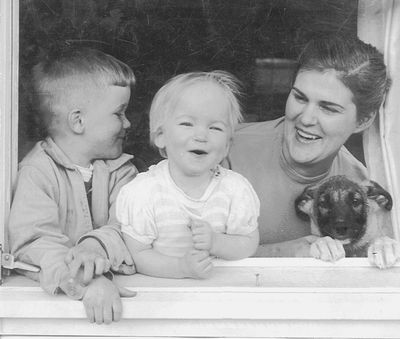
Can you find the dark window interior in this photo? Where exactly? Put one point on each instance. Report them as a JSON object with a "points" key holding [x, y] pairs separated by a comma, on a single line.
{"points": [[257, 40]]}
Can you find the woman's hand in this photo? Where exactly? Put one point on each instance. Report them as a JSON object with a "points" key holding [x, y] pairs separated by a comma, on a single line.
{"points": [[384, 252], [327, 249]]}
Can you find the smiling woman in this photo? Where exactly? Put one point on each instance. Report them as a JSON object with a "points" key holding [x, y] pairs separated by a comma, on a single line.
{"points": [[282, 157]]}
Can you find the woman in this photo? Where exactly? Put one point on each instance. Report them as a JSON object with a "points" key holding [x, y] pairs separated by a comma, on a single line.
{"points": [[338, 87]]}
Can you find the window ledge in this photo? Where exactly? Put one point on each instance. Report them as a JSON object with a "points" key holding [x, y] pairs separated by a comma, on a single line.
{"points": [[249, 298]]}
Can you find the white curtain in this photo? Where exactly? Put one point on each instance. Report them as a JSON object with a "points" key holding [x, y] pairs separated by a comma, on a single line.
{"points": [[379, 24]]}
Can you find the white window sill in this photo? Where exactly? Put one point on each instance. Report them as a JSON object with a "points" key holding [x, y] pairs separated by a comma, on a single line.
{"points": [[293, 298]]}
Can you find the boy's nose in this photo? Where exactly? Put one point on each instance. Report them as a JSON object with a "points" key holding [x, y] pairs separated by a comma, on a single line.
{"points": [[126, 123], [309, 114]]}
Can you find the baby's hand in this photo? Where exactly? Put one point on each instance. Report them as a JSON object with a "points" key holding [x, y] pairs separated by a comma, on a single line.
{"points": [[384, 252], [196, 264], [202, 235], [90, 255], [327, 249]]}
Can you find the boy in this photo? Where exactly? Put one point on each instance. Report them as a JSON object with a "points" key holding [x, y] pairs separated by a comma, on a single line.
{"points": [[63, 216], [187, 208]]}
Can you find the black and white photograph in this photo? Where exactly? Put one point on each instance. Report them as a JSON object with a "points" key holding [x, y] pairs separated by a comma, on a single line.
{"points": [[199, 169]]}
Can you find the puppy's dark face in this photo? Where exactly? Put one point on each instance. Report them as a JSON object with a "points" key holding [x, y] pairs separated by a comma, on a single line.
{"points": [[340, 208]]}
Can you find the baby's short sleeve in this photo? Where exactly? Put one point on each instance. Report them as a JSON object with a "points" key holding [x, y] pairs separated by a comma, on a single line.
{"points": [[245, 207], [134, 211]]}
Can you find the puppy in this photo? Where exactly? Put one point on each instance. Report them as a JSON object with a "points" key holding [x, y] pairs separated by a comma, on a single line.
{"points": [[345, 210]]}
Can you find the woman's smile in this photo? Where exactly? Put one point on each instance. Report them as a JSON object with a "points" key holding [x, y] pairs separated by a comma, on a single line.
{"points": [[306, 137], [320, 116]]}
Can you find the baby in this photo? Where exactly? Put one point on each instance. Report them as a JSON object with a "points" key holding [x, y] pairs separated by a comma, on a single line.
{"points": [[187, 208]]}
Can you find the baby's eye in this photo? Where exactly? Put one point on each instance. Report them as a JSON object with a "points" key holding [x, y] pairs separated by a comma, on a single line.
{"points": [[185, 123], [217, 128]]}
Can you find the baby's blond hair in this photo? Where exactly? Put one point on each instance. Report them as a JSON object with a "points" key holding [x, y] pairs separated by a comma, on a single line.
{"points": [[165, 100]]}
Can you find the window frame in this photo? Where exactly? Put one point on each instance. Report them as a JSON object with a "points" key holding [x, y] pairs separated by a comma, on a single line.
{"points": [[182, 311], [9, 29]]}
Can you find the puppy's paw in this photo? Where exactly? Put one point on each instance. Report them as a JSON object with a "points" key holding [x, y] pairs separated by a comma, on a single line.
{"points": [[384, 252], [327, 249]]}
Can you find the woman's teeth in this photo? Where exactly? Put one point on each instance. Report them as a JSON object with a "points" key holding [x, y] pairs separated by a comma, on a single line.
{"points": [[307, 136]]}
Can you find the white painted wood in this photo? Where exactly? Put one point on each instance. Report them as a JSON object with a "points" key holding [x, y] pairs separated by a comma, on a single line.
{"points": [[316, 301], [8, 108]]}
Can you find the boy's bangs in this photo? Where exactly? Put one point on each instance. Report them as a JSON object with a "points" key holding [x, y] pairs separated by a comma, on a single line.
{"points": [[120, 77]]}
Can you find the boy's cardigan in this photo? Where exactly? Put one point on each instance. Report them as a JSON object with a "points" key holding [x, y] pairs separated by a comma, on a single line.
{"points": [[50, 211]]}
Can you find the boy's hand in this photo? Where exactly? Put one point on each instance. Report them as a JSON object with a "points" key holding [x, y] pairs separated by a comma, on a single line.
{"points": [[102, 300], [90, 255], [202, 234], [327, 249], [197, 264]]}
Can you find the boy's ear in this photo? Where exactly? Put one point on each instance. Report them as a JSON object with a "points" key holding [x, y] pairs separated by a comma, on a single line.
{"points": [[365, 123], [75, 121]]}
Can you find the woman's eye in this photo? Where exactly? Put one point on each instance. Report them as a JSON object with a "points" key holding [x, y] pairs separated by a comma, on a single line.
{"points": [[329, 109], [216, 128]]}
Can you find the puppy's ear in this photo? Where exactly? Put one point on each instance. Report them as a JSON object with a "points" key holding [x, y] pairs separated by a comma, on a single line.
{"points": [[377, 193], [304, 203]]}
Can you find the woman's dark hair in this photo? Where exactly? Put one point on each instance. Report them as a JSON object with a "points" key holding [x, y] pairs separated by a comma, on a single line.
{"points": [[359, 66]]}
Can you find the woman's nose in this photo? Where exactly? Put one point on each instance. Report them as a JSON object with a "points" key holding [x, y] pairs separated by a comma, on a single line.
{"points": [[308, 114]]}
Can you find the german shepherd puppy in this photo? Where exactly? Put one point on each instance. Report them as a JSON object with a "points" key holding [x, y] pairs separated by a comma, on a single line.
{"points": [[345, 210]]}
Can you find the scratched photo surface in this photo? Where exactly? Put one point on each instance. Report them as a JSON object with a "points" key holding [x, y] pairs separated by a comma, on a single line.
{"points": [[258, 41]]}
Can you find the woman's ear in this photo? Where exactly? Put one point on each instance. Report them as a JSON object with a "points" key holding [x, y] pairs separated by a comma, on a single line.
{"points": [[365, 122], [75, 121]]}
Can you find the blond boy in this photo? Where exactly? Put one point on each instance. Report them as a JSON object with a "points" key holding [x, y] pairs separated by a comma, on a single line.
{"points": [[63, 213]]}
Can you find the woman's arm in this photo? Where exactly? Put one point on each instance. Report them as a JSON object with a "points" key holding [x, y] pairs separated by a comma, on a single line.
{"points": [[292, 248], [195, 264], [235, 247]]}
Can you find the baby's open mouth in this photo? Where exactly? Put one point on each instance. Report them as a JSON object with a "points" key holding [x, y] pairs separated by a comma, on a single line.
{"points": [[198, 151]]}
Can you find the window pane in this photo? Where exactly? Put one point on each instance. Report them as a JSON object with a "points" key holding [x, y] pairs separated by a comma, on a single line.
{"points": [[256, 40]]}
